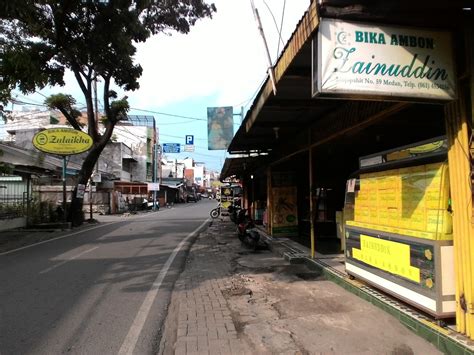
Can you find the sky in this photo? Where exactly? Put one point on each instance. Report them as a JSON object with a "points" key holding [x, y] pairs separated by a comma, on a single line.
{"points": [[221, 62]]}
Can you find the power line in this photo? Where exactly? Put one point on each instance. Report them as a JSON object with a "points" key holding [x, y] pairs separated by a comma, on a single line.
{"points": [[274, 21], [281, 25], [169, 114]]}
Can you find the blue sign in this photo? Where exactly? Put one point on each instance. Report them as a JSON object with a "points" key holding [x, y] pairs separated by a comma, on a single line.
{"points": [[171, 147], [189, 140]]}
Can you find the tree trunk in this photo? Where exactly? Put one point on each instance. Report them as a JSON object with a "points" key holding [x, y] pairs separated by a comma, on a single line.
{"points": [[75, 213]]}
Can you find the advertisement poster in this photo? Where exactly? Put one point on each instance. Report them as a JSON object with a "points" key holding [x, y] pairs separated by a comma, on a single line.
{"points": [[227, 197], [391, 61], [285, 212], [81, 189], [220, 127]]}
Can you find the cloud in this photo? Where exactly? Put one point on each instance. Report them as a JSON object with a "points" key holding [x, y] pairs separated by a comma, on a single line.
{"points": [[222, 57]]}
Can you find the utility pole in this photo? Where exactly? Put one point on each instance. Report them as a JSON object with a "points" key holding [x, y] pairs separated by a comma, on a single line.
{"points": [[97, 164], [260, 28]]}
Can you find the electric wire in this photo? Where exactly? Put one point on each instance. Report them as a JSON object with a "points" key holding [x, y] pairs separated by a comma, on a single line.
{"points": [[281, 25], [274, 21]]}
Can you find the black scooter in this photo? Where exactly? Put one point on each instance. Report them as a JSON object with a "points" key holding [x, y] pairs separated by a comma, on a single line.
{"points": [[246, 230]]}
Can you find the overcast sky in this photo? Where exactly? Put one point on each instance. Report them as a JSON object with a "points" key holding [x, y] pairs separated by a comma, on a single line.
{"points": [[221, 62]]}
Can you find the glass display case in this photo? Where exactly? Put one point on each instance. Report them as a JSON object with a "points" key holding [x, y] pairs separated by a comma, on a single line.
{"points": [[398, 225]]}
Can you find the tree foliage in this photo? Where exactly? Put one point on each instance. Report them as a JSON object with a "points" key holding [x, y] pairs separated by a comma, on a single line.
{"points": [[95, 39]]}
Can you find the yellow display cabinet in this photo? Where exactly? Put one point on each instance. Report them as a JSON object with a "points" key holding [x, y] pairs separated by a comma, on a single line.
{"points": [[399, 238]]}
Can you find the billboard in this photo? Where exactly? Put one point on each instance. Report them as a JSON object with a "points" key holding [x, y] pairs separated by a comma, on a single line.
{"points": [[220, 127]]}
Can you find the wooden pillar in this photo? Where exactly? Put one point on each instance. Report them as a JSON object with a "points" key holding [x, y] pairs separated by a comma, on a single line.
{"points": [[269, 201]]}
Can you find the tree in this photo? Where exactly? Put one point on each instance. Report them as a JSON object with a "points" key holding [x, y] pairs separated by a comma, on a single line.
{"points": [[95, 39]]}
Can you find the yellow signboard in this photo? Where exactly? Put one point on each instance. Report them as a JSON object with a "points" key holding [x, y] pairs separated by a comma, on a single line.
{"points": [[62, 141], [386, 255]]}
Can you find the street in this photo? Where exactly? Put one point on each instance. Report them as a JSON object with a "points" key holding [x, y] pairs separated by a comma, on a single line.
{"points": [[98, 291]]}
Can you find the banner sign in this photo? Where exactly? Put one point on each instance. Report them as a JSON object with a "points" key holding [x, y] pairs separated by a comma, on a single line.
{"points": [[383, 61], [62, 141], [220, 127]]}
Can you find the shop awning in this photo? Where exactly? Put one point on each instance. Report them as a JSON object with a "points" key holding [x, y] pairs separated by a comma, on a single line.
{"points": [[238, 166], [275, 120]]}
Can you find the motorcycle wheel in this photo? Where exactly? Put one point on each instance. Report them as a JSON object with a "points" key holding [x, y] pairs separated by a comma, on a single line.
{"points": [[214, 213]]}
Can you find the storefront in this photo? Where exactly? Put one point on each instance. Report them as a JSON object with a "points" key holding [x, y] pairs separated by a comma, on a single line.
{"points": [[353, 81]]}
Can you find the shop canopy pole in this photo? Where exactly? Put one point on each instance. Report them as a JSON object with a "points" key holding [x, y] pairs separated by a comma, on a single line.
{"points": [[269, 201], [311, 203]]}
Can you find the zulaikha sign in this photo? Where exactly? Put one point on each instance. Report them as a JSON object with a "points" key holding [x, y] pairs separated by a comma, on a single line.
{"points": [[62, 141], [354, 59]]}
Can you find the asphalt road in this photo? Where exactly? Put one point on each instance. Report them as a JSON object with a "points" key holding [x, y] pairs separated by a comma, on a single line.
{"points": [[100, 291]]}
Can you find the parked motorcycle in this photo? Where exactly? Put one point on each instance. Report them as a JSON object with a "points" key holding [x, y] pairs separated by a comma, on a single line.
{"points": [[215, 212], [246, 230], [234, 212]]}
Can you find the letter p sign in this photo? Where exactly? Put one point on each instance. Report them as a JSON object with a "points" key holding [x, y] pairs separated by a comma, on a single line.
{"points": [[189, 140]]}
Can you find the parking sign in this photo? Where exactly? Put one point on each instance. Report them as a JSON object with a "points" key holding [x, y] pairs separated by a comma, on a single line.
{"points": [[189, 140]]}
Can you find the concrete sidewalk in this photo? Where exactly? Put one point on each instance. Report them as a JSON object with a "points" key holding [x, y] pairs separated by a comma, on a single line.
{"points": [[229, 300]]}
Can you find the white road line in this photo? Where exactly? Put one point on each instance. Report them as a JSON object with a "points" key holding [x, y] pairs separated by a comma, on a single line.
{"points": [[134, 332], [65, 261], [53, 239]]}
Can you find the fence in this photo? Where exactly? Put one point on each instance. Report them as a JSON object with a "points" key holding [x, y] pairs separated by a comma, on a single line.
{"points": [[13, 196]]}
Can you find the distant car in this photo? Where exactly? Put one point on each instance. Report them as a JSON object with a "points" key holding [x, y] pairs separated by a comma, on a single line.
{"points": [[191, 197]]}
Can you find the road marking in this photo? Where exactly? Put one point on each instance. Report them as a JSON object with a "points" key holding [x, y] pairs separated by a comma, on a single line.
{"points": [[134, 332], [65, 261], [57, 238]]}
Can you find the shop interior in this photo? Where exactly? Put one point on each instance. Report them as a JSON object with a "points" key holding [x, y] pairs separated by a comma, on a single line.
{"points": [[333, 163]]}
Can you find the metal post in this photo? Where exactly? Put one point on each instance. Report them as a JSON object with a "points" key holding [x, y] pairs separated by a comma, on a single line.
{"points": [[260, 28], [90, 200], [155, 173], [64, 188], [311, 203], [28, 199], [159, 164]]}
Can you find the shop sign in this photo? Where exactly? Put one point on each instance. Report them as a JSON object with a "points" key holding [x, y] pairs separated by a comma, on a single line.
{"points": [[407, 260], [62, 141], [373, 62], [153, 186]]}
